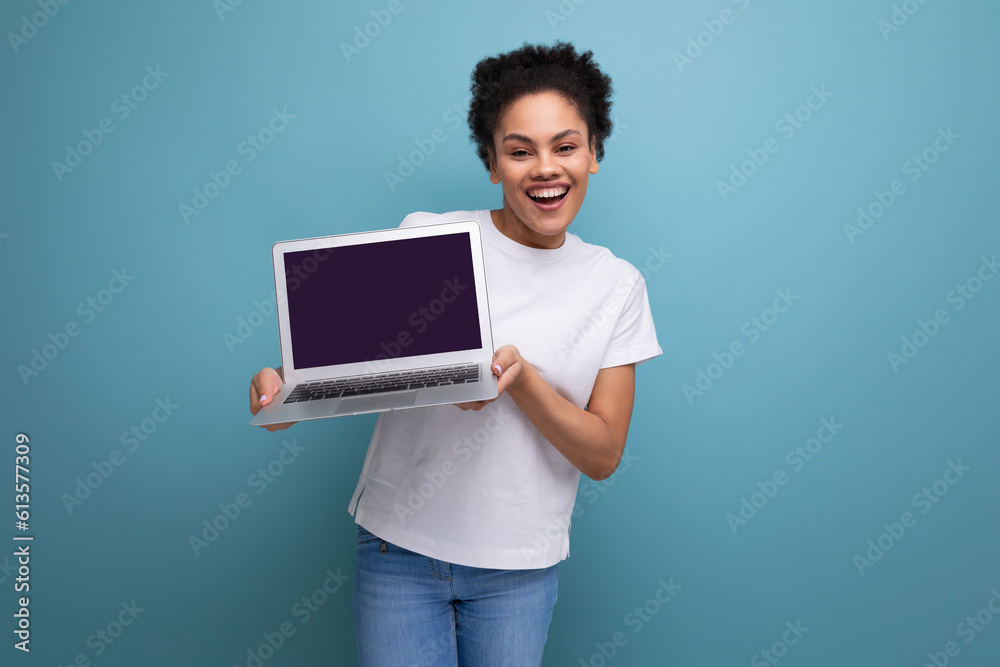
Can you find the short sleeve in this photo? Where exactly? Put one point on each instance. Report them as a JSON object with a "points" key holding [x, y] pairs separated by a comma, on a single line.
{"points": [[634, 337], [416, 219]]}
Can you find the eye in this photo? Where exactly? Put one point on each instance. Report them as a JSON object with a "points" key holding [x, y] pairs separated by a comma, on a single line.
{"points": [[565, 148], [520, 152]]}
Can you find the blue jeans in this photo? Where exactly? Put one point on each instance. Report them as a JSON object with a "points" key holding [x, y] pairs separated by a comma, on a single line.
{"points": [[411, 610]]}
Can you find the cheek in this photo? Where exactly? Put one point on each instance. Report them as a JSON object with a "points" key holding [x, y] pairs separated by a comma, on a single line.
{"points": [[509, 190]]}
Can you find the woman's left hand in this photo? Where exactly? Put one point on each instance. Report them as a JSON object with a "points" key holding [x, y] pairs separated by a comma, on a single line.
{"points": [[507, 364]]}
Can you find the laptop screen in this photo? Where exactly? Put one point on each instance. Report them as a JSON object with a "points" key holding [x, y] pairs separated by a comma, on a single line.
{"points": [[375, 301]]}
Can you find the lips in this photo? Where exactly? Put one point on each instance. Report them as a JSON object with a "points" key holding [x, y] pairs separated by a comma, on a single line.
{"points": [[548, 196]]}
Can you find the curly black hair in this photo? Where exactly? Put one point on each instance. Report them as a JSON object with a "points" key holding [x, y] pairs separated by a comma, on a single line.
{"points": [[499, 81]]}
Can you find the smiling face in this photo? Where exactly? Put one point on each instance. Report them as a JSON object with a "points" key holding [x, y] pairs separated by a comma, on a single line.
{"points": [[542, 158]]}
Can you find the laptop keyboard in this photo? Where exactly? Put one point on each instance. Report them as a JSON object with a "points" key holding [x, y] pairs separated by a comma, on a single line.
{"points": [[386, 382]]}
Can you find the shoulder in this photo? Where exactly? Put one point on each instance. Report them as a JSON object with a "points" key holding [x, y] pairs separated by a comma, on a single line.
{"points": [[423, 218], [604, 262]]}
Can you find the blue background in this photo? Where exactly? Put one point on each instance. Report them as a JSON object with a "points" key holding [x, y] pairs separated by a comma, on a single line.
{"points": [[682, 127]]}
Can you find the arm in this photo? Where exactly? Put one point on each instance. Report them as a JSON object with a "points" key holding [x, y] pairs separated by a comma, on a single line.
{"points": [[593, 440]]}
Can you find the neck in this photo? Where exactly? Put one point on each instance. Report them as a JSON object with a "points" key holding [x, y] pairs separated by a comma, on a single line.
{"points": [[508, 224]]}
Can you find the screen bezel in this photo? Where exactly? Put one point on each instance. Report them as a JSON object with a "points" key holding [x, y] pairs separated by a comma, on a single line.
{"points": [[293, 375]]}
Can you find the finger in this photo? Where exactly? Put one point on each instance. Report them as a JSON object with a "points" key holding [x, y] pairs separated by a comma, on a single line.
{"points": [[272, 386], [262, 390], [508, 377], [277, 427], [258, 396], [254, 398], [503, 384], [503, 358], [499, 363], [473, 405]]}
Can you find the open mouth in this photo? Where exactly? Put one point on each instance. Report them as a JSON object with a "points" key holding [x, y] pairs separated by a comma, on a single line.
{"points": [[548, 196]]}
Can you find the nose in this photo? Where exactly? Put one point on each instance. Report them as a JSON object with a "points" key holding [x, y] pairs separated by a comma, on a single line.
{"points": [[545, 165]]}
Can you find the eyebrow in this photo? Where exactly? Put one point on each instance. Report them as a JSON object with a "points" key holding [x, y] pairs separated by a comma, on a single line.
{"points": [[520, 137]]}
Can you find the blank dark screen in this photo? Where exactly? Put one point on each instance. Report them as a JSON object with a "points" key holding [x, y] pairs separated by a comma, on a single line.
{"points": [[391, 299]]}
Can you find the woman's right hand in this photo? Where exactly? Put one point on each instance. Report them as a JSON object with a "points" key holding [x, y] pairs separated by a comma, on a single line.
{"points": [[263, 387]]}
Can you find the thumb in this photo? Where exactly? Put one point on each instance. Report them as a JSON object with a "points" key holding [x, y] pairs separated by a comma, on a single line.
{"points": [[271, 386], [503, 358]]}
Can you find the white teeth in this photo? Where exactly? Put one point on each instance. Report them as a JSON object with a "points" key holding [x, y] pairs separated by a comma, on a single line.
{"points": [[548, 192]]}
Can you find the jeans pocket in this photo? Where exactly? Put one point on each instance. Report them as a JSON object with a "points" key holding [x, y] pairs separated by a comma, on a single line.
{"points": [[364, 536]]}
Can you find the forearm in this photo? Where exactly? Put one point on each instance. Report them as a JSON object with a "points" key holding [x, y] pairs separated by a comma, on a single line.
{"points": [[584, 438]]}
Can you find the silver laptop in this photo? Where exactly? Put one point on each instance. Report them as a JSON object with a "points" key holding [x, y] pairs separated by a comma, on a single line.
{"points": [[380, 321]]}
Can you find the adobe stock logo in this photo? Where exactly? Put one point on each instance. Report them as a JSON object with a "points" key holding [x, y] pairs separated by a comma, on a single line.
{"points": [[796, 459], [924, 500], [463, 449], [223, 7], [753, 329], [38, 20], [562, 12], [900, 15], [87, 309], [585, 328], [914, 168], [132, 440], [787, 125], [249, 149], [381, 18], [593, 490], [104, 637], [636, 620], [229, 512], [926, 330], [779, 648], [968, 630], [122, 107], [714, 28], [408, 164], [420, 319], [304, 609]]}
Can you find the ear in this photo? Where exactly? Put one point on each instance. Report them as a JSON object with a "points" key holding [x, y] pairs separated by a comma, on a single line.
{"points": [[593, 155], [494, 174]]}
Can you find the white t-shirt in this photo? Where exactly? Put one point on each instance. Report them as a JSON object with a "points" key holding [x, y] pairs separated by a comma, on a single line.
{"points": [[484, 488]]}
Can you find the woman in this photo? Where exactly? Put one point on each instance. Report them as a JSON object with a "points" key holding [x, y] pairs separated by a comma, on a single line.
{"points": [[463, 511]]}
